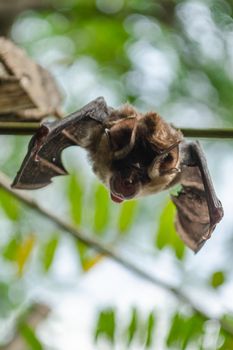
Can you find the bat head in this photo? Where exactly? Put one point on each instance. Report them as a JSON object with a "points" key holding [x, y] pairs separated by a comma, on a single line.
{"points": [[144, 154]]}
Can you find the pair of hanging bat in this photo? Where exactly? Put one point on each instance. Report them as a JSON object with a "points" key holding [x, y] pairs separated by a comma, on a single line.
{"points": [[134, 155]]}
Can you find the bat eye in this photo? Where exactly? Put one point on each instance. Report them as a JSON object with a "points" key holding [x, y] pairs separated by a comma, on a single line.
{"points": [[168, 158]]}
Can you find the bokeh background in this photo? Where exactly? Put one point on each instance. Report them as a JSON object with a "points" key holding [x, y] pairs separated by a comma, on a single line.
{"points": [[174, 57]]}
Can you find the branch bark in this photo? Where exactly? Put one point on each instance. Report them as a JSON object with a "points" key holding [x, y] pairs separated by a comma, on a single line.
{"points": [[81, 236], [212, 133], [18, 128]]}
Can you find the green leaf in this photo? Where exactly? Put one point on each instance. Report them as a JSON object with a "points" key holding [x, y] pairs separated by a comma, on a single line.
{"points": [[49, 251], [126, 216], [106, 325], [227, 342], [10, 250], [133, 325], [228, 319], [102, 206], [91, 262], [75, 195], [227, 338], [30, 337], [217, 279], [82, 251], [185, 330], [10, 205], [175, 330], [24, 251], [6, 304], [166, 234], [150, 329]]}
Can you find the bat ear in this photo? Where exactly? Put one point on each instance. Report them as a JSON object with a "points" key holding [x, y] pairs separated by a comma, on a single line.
{"points": [[164, 140], [122, 137], [165, 162], [159, 133]]}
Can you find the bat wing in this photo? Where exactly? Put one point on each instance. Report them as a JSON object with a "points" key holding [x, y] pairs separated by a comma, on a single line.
{"points": [[198, 208], [43, 159]]}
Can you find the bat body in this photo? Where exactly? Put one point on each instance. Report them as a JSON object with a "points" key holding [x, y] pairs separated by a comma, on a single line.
{"points": [[134, 155]]}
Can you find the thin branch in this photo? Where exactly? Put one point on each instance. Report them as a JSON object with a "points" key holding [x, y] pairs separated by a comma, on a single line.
{"points": [[208, 133], [29, 128], [18, 128], [104, 249]]}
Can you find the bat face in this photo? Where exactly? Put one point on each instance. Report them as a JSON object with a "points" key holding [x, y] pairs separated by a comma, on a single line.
{"points": [[141, 155]]}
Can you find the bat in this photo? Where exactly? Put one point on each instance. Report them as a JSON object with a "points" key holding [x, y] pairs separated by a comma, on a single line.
{"points": [[134, 155]]}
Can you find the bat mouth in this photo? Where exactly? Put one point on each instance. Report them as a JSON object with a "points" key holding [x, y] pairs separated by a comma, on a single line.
{"points": [[116, 198], [123, 188]]}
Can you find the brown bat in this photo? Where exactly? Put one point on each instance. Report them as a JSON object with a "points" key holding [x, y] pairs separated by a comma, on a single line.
{"points": [[134, 155]]}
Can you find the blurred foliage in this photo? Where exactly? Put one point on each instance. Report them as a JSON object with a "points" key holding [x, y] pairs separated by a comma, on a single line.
{"points": [[30, 337], [124, 37], [18, 250], [101, 211], [23, 252], [10, 206], [150, 330], [167, 235], [132, 328], [6, 303], [126, 216], [88, 264], [49, 251], [186, 331], [75, 194], [217, 279], [106, 325], [173, 56]]}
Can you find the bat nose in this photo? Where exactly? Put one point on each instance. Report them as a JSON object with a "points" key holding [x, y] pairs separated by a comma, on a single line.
{"points": [[127, 183]]}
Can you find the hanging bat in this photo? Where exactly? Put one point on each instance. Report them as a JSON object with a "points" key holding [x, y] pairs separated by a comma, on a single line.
{"points": [[134, 155]]}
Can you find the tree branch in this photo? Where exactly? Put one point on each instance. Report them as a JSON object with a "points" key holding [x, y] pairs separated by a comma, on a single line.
{"points": [[29, 128], [210, 133], [104, 249], [18, 128]]}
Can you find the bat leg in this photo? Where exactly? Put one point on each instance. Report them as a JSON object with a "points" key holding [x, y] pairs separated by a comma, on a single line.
{"points": [[214, 204]]}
